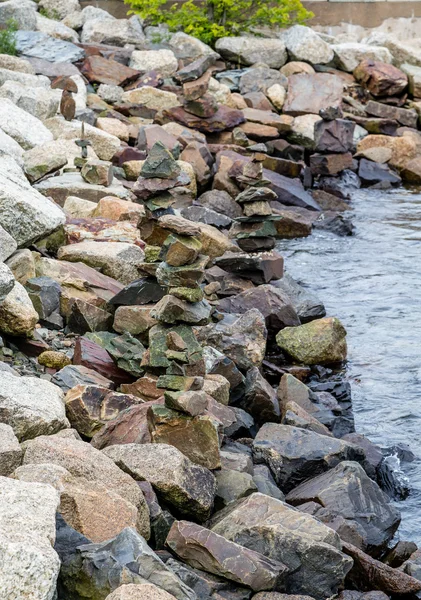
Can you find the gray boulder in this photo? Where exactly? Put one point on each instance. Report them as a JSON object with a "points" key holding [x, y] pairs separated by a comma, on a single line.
{"points": [[293, 454], [10, 450], [307, 547], [40, 45], [307, 306], [24, 12], [7, 281], [347, 500], [306, 45], [25, 129], [251, 50]]}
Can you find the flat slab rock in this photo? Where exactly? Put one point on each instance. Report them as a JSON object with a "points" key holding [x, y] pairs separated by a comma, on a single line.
{"points": [[204, 549], [225, 118], [98, 69], [308, 94], [41, 45]]}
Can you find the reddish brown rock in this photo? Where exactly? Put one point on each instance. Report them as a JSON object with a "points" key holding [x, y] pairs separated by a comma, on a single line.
{"points": [[404, 116], [150, 134], [258, 132], [224, 118], [68, 106], [334, 136], [203, 107], [91, 355], [144, 388], [380, 78], [193, 90], [288, 168], [98, 69], [200, 158], [84, 316], [129, 427], [62, 82], [294, 222], [369, 574], [90, 407], [203, 549], [330, 164]]}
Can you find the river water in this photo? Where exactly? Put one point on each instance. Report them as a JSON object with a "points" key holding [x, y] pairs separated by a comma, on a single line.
{"points": [[372, 282]]}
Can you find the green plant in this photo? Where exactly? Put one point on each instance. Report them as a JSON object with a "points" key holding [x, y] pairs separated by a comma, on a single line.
{"points": [[210, 20], [50, 14], [8, 38]]}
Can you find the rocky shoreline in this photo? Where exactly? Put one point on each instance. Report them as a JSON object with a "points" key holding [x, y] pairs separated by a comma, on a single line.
{"points": [[175, 421]]}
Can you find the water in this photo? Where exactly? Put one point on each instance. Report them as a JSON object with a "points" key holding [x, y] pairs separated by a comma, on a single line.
{"points": [[372, 282]]}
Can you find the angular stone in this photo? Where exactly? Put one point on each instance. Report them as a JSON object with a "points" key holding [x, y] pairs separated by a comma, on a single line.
{"points": [[91, 355], [380, 78], [162, 61], [140, 591], [89, 408], [295, 454], [73, 375], [308, 94], [250, 50], [406, 117], [188, 487], [183, 276], [7, 281], [192, 403], [98, 69], [260, 398], [232, 486], [40, 45], [318, 342], [265, 483], [206, 550], [139, 292], [352, 504], [10, 451], [304, 44], [330, 164], [260, 268], [174, 310], [17, 314], [97, 172], [85, 317], [221, 202], [334, 136], [224, 118], [197, 437], [372, 172], [152, 98], [306, 546]]}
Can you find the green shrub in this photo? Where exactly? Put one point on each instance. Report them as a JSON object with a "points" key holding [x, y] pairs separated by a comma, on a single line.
{"points": [[8, 38], [213, 19]]}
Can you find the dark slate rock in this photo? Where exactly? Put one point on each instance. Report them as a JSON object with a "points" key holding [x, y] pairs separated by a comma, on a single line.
{"points": [[265, 483], [371, 173], [201, 214], [141, 291], [307, 306]]}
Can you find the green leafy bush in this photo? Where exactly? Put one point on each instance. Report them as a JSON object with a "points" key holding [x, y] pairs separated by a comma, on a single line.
{"points": [[8, 38], [213, 19]]}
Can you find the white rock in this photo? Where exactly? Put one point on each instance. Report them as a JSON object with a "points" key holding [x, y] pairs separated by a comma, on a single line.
{"points": [[91, 13], [110, 93], [10, 450], [52, 156], [250, 50], [348, 56], [277, 95], [58, 9], [151, 98], [24, 213], [304, 44], [31, 406], [74, 20], [81, 95], [115, 32], [7, 281], [24, 78], [104, 144], [41, 103], [24, 128], [402, 52], [10, 147], [221, 93], [56, 29], [29, 566], [162, 61], [72, 184], [13, 63], [7, 244], [119, 260], [17, 314], [302, 130], [79, 208], [21, 11]]}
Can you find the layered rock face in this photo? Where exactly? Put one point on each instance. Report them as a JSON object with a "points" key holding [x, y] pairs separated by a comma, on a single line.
{"points": [[173, 418]]}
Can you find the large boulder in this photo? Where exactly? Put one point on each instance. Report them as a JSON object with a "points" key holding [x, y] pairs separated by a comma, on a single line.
{"points": [[348, 55], [37, 101], [23, 12], [17, 314], [304, 44], [294, 454], [310, 550], [40, 45], [380, 78], [95, 570], [319, 342], [59, 9], [251, 50], [31, 406], [347, 500], [115, 32], [29, 566], [308, 94], [23, 127], [24, 213], [180, 483], [204, 549]]}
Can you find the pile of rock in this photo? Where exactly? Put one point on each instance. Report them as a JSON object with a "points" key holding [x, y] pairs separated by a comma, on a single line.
{"points": [[165, 387]]}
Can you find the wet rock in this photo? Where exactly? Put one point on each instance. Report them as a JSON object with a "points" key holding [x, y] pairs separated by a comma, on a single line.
{"points": [[295, 454], [40, 45], [306, 546], [243, 340], [346, 496], [308, 94], [17, 314], [380, 78], [10, 451], [400, 553], [368, 574], [318, 342], [304, 44], [371, 173], [249, 50], [189, 488], [27, 524], [204, 549], [306, 305], [124, 559], [259, 268]]}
